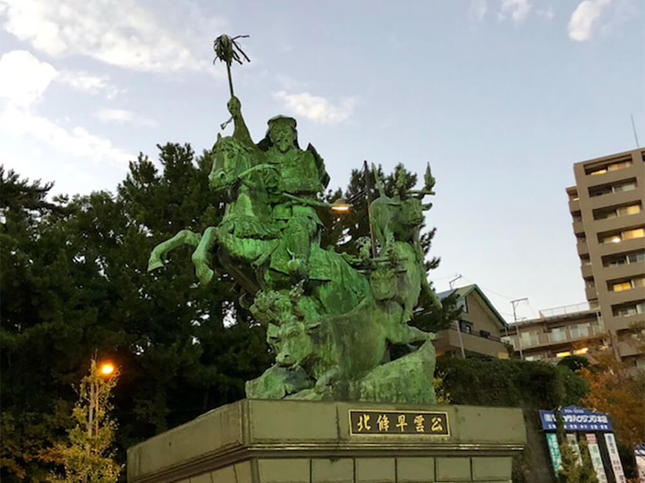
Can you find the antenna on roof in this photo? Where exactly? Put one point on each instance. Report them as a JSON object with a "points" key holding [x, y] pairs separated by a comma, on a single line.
{"points": [[634, 128], [457, 277]]}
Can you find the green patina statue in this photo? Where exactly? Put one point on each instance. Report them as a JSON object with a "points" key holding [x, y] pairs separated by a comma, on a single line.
{"points": [[330, 318]]}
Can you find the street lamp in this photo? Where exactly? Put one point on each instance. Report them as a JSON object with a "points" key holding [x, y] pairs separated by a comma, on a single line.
{"points": [[341, 206], [106, 369]]}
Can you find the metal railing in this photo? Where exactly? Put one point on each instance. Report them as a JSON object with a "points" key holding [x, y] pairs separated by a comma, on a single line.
{"points": [[547, 338], [566, 309]]}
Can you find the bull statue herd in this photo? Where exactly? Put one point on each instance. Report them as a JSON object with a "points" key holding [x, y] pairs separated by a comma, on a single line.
{"points": [[330, 318]]}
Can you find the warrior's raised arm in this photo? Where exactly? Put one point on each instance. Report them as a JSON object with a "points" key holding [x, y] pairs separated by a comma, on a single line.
{"points": [[240, 131]]}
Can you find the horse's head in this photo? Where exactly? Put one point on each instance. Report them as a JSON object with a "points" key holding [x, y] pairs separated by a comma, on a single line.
{"points": [[227, 152]]}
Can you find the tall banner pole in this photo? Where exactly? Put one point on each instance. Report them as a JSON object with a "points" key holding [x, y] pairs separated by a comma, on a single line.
{"points": [[554, 451], [596, 458], [616, 465]]}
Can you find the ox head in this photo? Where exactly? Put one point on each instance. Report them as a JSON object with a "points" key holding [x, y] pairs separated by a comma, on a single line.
{"points": [[292, 342], [411, 214]]}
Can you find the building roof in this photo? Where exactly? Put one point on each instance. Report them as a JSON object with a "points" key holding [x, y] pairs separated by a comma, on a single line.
{"points": [[463, 292]]}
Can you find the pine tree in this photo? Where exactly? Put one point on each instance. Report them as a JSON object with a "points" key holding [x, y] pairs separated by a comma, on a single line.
{"points": [[576, 468], [88, 454]]}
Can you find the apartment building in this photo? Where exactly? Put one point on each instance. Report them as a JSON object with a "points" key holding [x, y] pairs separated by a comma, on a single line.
{"points": [[559, 332], [607, 207]]}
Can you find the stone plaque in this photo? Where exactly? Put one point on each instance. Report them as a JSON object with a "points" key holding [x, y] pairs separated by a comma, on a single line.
{"points": [[392, 423]]}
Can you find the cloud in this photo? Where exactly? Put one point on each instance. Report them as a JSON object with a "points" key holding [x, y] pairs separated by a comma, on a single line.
{"points": [[23, 81], [76, 141], [85, 82], [316, 108], [518, 10], [478, 9], [119, 33], [547, 13], [123, 116], [584, 19], [24, 78]]}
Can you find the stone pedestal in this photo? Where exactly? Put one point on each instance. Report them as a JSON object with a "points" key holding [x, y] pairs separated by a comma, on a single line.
{"points": [[254, 441]]}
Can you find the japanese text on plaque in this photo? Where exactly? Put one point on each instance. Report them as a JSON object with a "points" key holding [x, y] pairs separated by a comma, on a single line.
{"points": [[398, 422]]}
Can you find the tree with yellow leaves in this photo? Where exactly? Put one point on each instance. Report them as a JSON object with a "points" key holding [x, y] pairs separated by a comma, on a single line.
{"points": [[618, 389], [87, 456]]}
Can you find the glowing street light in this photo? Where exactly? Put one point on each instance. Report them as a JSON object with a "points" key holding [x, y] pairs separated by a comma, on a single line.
{"points": [[106, 369], [341, 206]]}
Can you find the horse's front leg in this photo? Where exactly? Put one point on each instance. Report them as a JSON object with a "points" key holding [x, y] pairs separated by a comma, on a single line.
{"points": [[201, 255], [184, 237]]}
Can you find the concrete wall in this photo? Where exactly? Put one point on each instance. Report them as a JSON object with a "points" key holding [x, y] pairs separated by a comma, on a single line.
{"points": [[297, 441]]}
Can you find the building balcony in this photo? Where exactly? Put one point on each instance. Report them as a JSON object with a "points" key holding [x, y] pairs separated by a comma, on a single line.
{"points": [[611, 199], [590, 293], [474, 343], [546, 339], [623, 246], [628, 348], [586, 270], [614, 176], [619, 222], [578, 228], [626, 296], [627, 270], [574, 205], [624, 322], [581, 246]]}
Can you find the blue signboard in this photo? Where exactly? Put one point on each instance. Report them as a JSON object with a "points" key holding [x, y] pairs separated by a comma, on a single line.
{"points": [[576, 419]]}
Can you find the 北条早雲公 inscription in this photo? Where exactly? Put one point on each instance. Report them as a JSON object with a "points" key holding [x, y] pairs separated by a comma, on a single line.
{"points": [[374, 422]]}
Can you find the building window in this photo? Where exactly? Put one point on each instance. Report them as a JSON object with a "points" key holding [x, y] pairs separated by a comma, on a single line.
{"points": [[557, 334], [615, 211], [466, 327], [534, 357], [628, 310], [609, 167], [579, 330], [629, 210], [636, 257], [529, 338], [625, 258], [617, 237], [620, 286], [626, 284], [635, 233], [627, 185]]}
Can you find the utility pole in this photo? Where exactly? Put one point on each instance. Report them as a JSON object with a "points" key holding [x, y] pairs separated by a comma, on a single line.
{"points": [[461, 338], [517, 327]]}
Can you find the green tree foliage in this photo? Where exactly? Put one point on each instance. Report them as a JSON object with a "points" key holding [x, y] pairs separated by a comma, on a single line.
{"points": [[574, 362], [576, 468], [498, 382], [74, 281], [88, 455], [36, 297]]}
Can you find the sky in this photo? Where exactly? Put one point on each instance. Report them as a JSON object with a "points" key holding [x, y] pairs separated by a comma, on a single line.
{"points": [[501, 97]]}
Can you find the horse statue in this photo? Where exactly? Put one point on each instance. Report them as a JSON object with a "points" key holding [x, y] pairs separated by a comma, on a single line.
{"points": [[330, 318]]}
